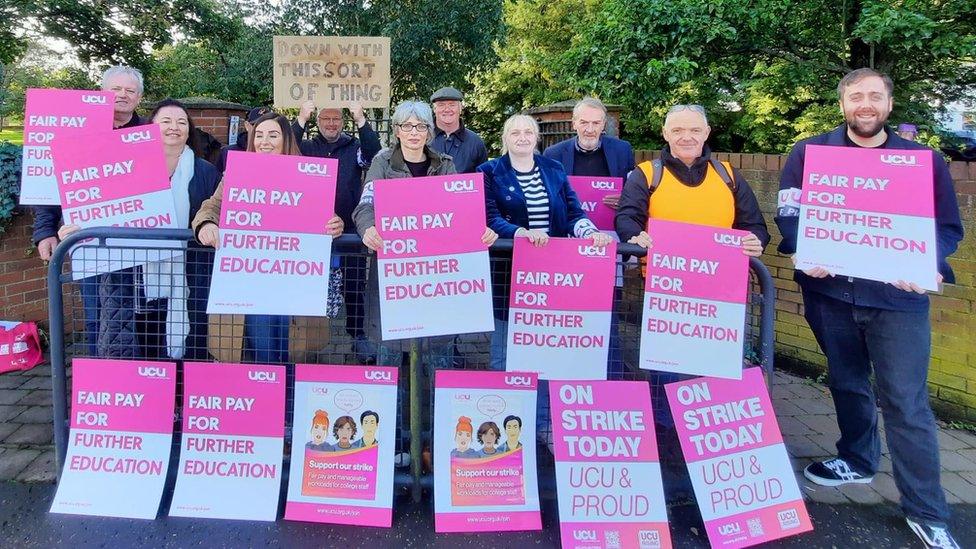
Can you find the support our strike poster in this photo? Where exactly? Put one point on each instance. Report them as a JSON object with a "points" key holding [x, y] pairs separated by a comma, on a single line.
{"points": [[484, 452], [560, 307], [591, 191], [273, 220], [868, 213], [433, 267], [745, 487], [694, 300], [343, 445], [120, 439], [116, 178], [607, 469], [51, 115], [233, 437]]}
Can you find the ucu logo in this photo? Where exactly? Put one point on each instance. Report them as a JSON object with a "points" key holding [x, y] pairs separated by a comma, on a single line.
{"points": [[584, 535], [152, 371], [728, 239], [320, 390], [94, 99], [592, 251], [462, 397], [602, 185], [262, 376], [466, 186], [310, 168], [518, 380], [136, 137], [378, 375], [730, 529], [899, 159]]}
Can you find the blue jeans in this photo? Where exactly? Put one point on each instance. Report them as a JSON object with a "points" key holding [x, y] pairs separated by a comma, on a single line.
{"points": [[266, 338], [897, 345], [89, 302]]}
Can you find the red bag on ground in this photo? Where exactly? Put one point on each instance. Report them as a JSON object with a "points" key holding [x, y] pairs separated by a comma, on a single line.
{"points": [[20, 347]]}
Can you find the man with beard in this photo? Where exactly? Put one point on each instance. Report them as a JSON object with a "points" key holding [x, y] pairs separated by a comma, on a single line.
{"points": [[863, 323]]}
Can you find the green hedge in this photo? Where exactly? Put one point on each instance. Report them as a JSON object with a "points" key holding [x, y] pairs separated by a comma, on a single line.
{"points": [[10, 156]]}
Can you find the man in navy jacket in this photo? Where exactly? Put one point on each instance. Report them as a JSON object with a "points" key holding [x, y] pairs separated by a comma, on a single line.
{"points": [[861, 324]]}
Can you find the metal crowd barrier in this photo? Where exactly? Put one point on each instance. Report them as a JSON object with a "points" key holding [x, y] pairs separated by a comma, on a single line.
{"points": [[75, 333]]}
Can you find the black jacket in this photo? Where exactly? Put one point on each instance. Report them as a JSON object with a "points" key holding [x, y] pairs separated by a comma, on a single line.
{"points": [[465, 147]]}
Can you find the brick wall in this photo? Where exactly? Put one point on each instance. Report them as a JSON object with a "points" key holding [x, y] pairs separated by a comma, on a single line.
{"points": [[23, 276], [216, 121], [952, 375]]}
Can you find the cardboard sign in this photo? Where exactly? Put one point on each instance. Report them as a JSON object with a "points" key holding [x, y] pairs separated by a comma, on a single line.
{"points": [[233, 438], [608, 473], [694, 300], [560, 307], [51, 115], [273, 220], [120, 439], [116, 178], [332, 71], [484, 452], [433, 267], [591, 191], [745, 487], [343, 445], [869, 213]]}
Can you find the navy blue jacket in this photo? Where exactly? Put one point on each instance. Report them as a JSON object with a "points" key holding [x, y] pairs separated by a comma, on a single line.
{"points": [[464, 146], [869, 293], [619, 155]]}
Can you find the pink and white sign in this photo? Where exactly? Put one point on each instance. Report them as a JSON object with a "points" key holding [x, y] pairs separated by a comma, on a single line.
{"points": [[559, 308], [273, 219], [433, 267], [115, 178], [484, 452], [343, 445], [591, 191], [51, 115], [607, 469], [694, 300], [233, 438], [745, 487], [868, 213], [120, 438]]}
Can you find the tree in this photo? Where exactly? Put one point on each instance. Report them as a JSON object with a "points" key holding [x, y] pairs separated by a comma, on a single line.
{"points": [[39, 67]]}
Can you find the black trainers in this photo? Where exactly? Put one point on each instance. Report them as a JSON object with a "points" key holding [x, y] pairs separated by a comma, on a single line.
{"points": [[932, 534], [834, 472]]}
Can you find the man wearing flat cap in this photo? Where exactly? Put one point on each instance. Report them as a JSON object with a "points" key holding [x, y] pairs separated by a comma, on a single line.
{"points": [[451, 137]]}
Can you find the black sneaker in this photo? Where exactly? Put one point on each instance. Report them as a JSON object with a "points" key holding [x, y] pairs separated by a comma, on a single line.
{"points": [[834, 472], [932, 534]]}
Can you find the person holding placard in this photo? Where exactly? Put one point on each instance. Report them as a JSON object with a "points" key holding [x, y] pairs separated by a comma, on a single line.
{"points": [[865, 325], [264, 337], [158, 310]]}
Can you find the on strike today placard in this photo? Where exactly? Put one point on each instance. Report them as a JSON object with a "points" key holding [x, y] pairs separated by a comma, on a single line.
{"points": [[745, 487], [343, 444], [591, 191], [560, 307], [332, 70], [273, 220], [233, 437], [607, 469], [51, 115], [115, 178], [433, 267], [868, 213], [484, 452], [694, 300], [120, 439]]}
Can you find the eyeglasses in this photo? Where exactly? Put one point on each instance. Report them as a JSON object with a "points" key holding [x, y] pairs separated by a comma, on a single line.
{"points": [[420, 128]]}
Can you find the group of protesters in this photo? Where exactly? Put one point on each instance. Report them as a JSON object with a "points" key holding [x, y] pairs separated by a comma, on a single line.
{"points": [[862, 326]]}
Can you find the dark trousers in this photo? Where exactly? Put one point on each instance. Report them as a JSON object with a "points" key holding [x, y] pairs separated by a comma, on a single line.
{"points": [[353, 292], [897, 345], [89, 303]]}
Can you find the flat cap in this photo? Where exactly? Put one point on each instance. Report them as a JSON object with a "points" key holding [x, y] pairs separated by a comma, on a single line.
{"points": [[446, 94]]}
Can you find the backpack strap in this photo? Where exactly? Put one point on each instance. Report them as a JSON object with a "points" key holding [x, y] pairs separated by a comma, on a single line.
{"points": [[653, 171], [724, 170]]}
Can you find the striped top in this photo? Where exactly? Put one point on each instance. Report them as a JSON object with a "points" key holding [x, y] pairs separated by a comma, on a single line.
{"points": [[536, 199]]}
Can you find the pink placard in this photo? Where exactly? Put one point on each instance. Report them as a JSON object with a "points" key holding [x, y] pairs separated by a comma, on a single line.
{"points": [[869, 180], [339, 514], [461, 379], [233, 399], [50, 114], [331, 373], [278, 193], [425, 216], [567, 274], [476, 522], [591, 191], [343, 474], [488, 480], [696, 261], [123, 395]]}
